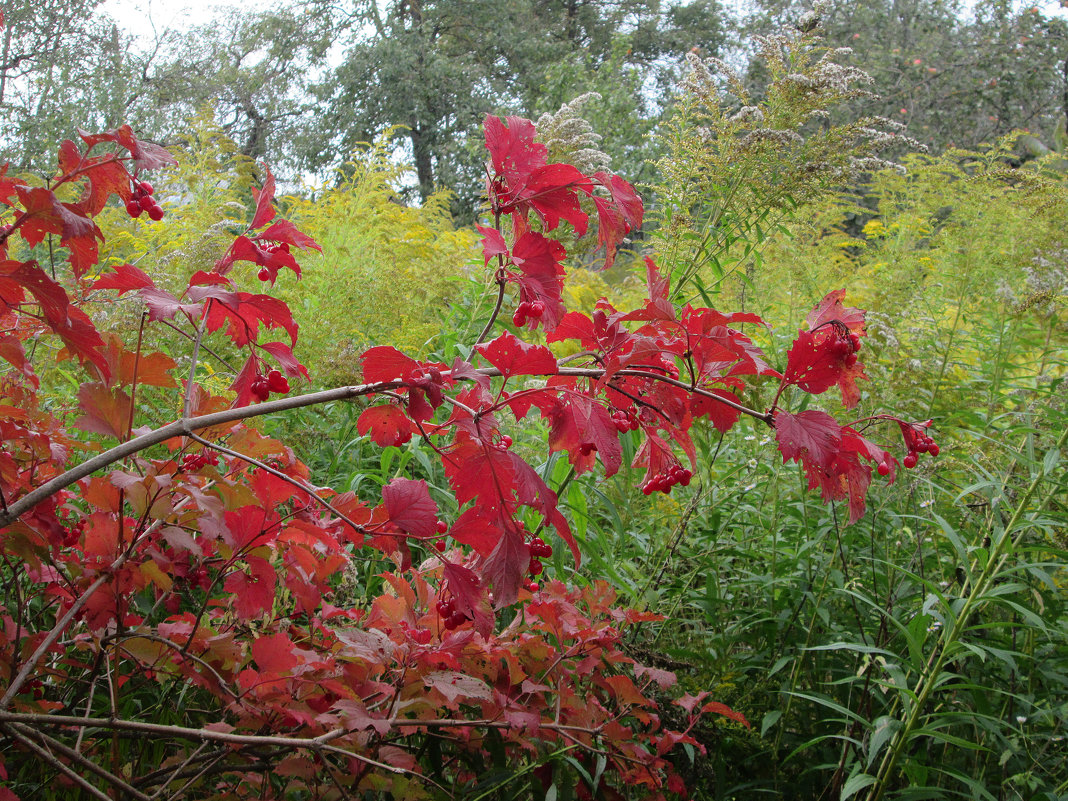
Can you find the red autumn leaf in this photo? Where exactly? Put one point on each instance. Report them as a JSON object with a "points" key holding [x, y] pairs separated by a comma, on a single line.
{"points": [[493, 243], [410, 507], [513, 152], [287, 233], [45, 214], [830, 309], [468, 596], [242, 385], [387, 425], [512, 356], [722, 709], [126, 278], [583, 428], [243, 312], [476, 528], [252, 592], [846, 478], [274, 653], [106, 176], [722, 416], [541, 277], [146, 155], [264, 202], [283, 353], [271, 258], [385, 364], [810, 437], [818, 360], [162, 305], [507, 563], [551, 192]]}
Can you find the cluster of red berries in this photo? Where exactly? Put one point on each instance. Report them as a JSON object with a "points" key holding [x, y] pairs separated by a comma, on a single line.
{"points": [[142, 200], [539, 549], [74, 533], [528, 309], [505, 442], [192, 462], [264, 274], [918, 441], [625, 421], [845, 347], [440, 545], [451, 618], [663, 482], [264, 385]]}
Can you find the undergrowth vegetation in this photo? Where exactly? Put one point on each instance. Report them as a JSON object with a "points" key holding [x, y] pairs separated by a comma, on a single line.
{"points": [[918, 652]]}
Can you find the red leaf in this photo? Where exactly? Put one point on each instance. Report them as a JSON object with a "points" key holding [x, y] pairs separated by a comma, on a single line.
{"points": [[722, 709], [264, 201], [831, 308], [106, 411], [46, 215], [551, 191], [286, 360], [542, 278], [146, 155], [468, 596], [274, 653], [243, 312], [820, 359], [507, 564], [410, 507], [474, 527], [582, 427], [385, 364], [723, 417], [126, 278], [492, 243], [811, 437], [287, 233], [388, 425], [513, 151], [512, 356], [253, 592], [162, 305]]}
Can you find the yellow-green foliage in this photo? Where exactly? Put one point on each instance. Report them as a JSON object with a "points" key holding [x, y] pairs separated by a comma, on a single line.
{"points": [[385, 275], [944, 259], [387, 271]]}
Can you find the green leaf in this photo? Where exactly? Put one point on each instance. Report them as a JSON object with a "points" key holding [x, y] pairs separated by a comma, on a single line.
{"points": [[855, 784]]}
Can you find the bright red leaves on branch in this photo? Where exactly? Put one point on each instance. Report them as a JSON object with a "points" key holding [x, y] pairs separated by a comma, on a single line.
{"points": [[168, 564]]}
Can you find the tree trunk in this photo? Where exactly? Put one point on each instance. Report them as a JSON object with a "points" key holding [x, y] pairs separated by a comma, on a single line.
{"points": [[424, 166]]}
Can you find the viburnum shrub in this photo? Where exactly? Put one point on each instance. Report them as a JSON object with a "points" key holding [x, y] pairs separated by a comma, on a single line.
{"points": [[172, 623]]}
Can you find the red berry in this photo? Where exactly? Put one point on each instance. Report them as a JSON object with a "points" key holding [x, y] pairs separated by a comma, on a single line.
{"points": [[133, 208], [933, 449], [537, 309], [441, 526], [264, 274], [532, 586], [276, 382], [519, 319], [910, 460], [536, 567], [883, 468], [441, 546], [455, 620], [156, 213], [147, 202], [146, 187]]}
